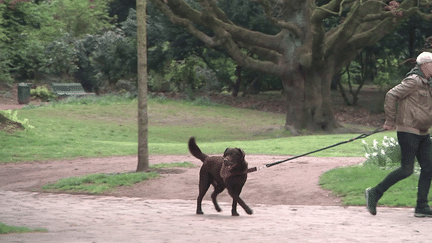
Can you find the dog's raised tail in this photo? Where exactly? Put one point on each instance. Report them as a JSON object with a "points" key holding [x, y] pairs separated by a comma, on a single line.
{"points": [[195, 150]]}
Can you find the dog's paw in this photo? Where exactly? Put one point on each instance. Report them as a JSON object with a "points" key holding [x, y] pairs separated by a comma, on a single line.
{"points": [[234, 214], [199, 212], [249, 211], [218, 209]]}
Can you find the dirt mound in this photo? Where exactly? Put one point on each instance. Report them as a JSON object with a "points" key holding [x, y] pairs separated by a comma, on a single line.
{"points": [[8, 125]]}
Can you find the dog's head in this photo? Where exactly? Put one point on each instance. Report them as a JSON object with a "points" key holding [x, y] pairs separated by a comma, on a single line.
{"points": [[233, 156]]}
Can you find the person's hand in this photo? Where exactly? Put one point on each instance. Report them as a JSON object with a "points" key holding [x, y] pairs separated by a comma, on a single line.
{"points": [[388, 128]]}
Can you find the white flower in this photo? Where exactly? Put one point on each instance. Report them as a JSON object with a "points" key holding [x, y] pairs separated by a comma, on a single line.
{"points": [[364, 142], [375, 144], [367, 155], [382, 152], [374, 154]]}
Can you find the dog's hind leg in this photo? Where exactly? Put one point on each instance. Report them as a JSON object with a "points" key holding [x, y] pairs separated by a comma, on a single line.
{"points": [[217, 189], [204, 184]]}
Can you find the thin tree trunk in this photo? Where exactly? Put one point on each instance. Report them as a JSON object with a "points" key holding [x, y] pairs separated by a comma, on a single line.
{"points": [[294, 90], [342, 89], [143, 160], [237, 83]]}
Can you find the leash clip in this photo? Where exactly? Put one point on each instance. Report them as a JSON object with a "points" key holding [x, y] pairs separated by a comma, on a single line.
{"points": [[261, 167]]}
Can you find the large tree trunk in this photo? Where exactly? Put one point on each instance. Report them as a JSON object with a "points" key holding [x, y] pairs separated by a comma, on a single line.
{"points": [[309, 103]]}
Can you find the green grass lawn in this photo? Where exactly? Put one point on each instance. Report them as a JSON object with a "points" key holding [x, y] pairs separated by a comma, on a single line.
{"points": [[350, 183], [65, 131], [103, 182]]}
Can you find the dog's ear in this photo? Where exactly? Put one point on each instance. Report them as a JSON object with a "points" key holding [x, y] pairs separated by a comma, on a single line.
{"points": [[225, 151], [242, 153]]}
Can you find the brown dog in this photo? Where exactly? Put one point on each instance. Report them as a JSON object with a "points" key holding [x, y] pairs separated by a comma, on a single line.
{"points": [[227, 171]]}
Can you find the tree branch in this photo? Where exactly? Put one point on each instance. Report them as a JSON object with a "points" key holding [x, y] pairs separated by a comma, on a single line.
{"points": [[406, 8], [243, 60], [379, 16], [222, 30], [387, 25], [218, 12], [344, 32], [322, 12], [293, 28], [233, 49], [184, 11], [210, 41], [425, 16], [266, 54]]}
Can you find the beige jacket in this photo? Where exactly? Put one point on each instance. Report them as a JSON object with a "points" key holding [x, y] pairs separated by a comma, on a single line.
{"points": [[409, 106]]}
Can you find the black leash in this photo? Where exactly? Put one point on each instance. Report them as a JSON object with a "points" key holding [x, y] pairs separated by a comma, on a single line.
{"points": [[253, 169]]}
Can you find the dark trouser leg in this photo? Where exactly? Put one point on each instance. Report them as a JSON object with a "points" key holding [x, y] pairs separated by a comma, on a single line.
{"points": [[409, 144], [425, 161]]}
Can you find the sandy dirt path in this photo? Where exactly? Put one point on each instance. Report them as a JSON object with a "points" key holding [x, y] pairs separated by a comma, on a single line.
{"points": [[78, 218], [288, 204]]}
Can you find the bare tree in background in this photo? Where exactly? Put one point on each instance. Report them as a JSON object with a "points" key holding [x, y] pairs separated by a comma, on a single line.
{"points": [[143, 160], [304, 54]]}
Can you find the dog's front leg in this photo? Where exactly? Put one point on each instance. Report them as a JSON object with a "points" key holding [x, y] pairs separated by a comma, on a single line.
{"points": [[234, 189], [236, 199], [234, 208], [199, 207]]}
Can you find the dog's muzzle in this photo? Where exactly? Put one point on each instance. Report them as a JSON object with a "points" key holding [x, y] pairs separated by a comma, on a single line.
{"points": [[228, 161]]}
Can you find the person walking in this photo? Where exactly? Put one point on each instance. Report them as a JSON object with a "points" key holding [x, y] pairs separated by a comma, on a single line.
{"points": [[408, 109]]}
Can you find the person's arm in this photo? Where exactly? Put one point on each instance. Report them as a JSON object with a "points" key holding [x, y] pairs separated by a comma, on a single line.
{"points": [[397, 93]]}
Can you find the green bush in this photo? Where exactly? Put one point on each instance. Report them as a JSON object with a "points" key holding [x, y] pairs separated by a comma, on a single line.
{"points": [[61, 56], [157, 83], [30, 58], [388, 72], [183, 75], [42, 93], [5, 68], [115, 56]]}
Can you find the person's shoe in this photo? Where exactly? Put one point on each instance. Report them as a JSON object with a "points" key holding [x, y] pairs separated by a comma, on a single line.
{"points": [[423, 212], [371, 200]]}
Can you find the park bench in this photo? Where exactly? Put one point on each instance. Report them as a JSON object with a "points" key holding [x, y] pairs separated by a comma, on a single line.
{"points": [[63, 90]]}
